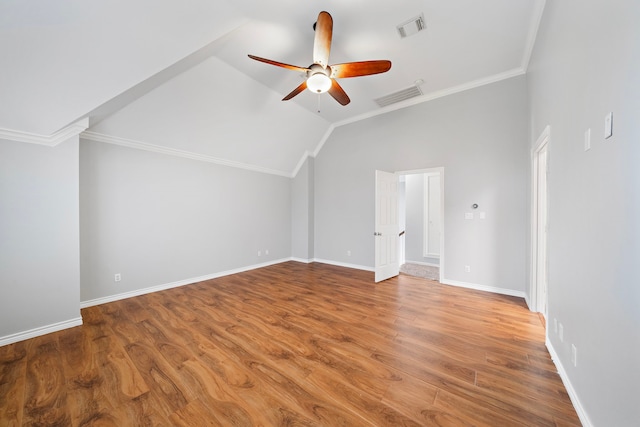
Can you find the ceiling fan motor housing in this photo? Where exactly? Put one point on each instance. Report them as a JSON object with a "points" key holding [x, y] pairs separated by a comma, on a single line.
{"points": [[318, 78]]}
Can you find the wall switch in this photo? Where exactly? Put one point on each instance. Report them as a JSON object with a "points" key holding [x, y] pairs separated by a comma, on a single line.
{"points": [[467, 268], [483, 215], [266, 251], [348, 253], [574, 355], [468, 215], [587, 140], [259, 253], [561, 332], [117, 277], [608, 126]]}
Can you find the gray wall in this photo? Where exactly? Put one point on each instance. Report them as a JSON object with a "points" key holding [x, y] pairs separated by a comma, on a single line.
{"points": [[586, 63], [158, 219], [480, 138], [302, 212], [39, 237]]}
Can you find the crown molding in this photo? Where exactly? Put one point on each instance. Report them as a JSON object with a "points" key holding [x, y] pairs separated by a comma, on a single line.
{"points": [[49, 140], [138, 145], [435, 95]]}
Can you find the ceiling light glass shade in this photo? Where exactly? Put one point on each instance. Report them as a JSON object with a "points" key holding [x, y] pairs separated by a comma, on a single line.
{"points": [[318, 83]]}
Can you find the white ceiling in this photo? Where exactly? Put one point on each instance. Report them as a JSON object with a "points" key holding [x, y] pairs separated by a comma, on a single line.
{"points": [[173, 74]]}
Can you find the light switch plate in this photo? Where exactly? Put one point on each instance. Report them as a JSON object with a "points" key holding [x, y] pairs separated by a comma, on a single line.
{"points": [[468, 215], [587, 140], [608, 126]]}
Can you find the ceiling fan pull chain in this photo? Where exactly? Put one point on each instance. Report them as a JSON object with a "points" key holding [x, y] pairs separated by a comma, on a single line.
{"points": [[318, 103]]}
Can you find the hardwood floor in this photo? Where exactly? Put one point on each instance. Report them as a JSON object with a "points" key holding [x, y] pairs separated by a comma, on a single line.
{"points": [[291, 345]]}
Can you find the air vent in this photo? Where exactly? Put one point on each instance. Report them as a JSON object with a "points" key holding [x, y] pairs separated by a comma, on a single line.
{"points": [[402, 95], [412, 26]]}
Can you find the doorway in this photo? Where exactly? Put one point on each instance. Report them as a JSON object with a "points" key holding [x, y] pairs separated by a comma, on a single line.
{"points": [[422, 221], [539, 226]]}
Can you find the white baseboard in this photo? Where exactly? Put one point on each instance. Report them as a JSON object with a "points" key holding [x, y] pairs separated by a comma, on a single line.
{"points": [[303, 260], [485, 288], [344, 264], [42, 330], [582, 414], [143, 291]]}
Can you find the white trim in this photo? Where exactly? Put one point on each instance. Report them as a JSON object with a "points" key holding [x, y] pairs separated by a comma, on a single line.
{"points": [[302, 260], [143, 291], [344, 264], [139, 145], [435, 95], [42, 330], [533, 34], [48, 140], [324, 139], [303, 159], [485, 288], [582, 413], [533, 297]]}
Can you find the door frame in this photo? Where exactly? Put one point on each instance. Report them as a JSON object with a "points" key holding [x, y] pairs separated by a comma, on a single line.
{"points": [[440, 171], [537, 284]]}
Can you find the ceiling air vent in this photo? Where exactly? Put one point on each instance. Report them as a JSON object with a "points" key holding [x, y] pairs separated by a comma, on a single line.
{"points": [[412, 26], [401, 95]]}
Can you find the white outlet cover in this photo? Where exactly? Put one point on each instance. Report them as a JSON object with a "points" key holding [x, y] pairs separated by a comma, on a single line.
{"points": [[468, 215], [608, 125], [561, 332], [574, 355]]}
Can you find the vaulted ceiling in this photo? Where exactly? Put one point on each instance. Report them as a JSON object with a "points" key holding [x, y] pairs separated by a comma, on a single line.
{"points": [[174, 76]]}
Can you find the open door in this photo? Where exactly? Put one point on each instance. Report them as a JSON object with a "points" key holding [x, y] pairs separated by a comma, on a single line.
{"points": [[386, 232]]}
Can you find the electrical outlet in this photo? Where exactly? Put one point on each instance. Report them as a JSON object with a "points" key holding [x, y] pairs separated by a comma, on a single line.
{"points": [[348, 253], [259, 253], [561, 332], [574, 355], [117, 277], [467, 268], [266, 251], [555, 325]]}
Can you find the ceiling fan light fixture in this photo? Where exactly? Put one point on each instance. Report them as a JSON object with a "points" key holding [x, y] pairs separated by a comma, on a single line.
{"points": [[318, 83]]}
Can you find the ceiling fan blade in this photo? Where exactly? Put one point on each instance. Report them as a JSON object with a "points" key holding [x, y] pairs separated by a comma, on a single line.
{"points": [[363, 68], [322, 41], [338, 93], [279, 64], [296, 91]]}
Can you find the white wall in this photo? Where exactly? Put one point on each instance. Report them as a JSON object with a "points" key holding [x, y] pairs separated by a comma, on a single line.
{"points": [[158, 219], [480, 138], [39, 239], [586, 63]]}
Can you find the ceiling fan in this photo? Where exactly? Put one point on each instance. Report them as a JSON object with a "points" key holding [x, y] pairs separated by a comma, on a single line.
{"points": [[320, 76]]}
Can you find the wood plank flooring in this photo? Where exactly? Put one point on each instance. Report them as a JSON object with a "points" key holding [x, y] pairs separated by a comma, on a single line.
{"points": [[291, 345]]}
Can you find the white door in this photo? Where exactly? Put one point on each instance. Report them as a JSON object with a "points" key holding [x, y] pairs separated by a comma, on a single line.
{"points": [[386, 232]]}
